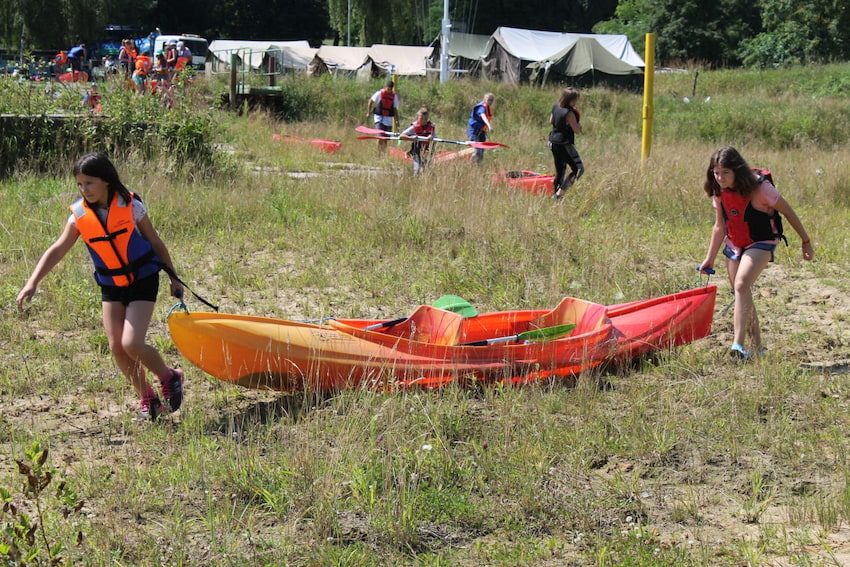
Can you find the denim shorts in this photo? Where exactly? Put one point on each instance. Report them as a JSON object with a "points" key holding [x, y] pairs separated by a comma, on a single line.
{"points": [[729, 253], [140, 290]]}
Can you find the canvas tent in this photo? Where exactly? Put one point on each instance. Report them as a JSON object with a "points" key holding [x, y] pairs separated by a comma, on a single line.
{"points": [[288, 57], [337, 59], [400, 59], [511, 50], [252, 53], [465, 52], [585, 62]]}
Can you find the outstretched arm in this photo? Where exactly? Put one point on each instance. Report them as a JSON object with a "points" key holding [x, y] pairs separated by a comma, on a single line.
{"points": [[718, 233], [783, 207], [54, 253]]}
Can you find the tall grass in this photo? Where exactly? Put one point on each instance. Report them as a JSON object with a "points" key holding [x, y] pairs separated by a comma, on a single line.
{"points": [[683, 459]]}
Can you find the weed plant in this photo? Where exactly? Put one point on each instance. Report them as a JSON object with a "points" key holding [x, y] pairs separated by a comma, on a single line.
{"points": [[681, 459]]}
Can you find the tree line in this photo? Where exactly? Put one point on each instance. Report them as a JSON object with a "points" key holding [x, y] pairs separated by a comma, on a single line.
{"points": [[711, 32]]}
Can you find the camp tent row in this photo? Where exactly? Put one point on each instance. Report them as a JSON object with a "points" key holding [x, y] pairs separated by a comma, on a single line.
{"points": [[298, 55], [510, 55]]}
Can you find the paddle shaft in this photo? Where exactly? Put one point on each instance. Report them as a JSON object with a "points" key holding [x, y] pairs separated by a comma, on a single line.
{"points": [[546, 333]]}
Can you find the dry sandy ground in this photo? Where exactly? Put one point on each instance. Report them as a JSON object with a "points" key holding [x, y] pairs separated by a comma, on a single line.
{"points": [[789, 298]]}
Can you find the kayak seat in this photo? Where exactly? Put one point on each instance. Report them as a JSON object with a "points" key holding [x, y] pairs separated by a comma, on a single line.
{"points": [[585, 315], [430, 325]]}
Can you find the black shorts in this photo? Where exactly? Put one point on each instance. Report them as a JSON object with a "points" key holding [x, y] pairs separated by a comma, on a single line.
{"points": [[141, 290]]}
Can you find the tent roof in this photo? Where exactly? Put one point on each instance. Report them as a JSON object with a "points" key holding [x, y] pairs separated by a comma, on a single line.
{"points": [[401, 59], [343, 58], [255, 50], [583, 55], [534, 45], [292, 57], [468, 45]]}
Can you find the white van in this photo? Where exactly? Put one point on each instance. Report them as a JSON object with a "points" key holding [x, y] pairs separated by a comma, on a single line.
{"points": [[196, 44]]}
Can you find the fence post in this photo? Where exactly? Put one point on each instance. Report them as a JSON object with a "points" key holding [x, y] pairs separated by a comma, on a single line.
{"points": [[233, 59]]}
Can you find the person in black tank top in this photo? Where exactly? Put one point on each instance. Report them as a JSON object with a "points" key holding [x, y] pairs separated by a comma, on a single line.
{"points": [[565, 125]]}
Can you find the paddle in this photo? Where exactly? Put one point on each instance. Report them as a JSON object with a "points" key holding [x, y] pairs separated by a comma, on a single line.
{"points": [[367, 130], [451, 303], [545, 334], [478, 145]]}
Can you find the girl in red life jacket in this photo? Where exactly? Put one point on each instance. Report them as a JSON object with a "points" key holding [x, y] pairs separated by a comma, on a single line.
{"points": [[421, 133], [745, 204], [128, 255]]}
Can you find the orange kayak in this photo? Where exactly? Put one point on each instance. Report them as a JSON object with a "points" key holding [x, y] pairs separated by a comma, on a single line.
{"points": [[530, 181], [440, 157], [430, 347]]}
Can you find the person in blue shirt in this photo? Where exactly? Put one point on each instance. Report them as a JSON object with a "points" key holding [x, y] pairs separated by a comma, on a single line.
{"points": [[480, 122], [76, 56]]}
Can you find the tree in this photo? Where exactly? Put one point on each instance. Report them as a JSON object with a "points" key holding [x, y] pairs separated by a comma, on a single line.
{"points": [[799, 32]]}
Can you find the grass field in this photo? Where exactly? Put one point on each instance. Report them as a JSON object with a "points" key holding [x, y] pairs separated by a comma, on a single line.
{"points": [[683, 459]]}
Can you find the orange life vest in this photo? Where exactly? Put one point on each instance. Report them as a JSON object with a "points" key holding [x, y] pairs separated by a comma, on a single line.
{"points": [[120, 253], [61, 58], [143, 65]]}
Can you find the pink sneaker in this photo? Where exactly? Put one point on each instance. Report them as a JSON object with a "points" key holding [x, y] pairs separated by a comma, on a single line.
{"points": [[172, 388], [149, 408]]}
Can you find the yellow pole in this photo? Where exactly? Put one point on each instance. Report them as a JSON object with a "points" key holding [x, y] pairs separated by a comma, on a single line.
{"points": [[395, 117], [648, 75]]}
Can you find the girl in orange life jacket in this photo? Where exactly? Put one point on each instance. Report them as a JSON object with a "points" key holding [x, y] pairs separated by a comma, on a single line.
{"points": [[144, 65], [744, 206], [422, 128], [127, 253]]}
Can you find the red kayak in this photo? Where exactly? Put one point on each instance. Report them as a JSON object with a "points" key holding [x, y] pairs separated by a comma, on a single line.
{"points": [[73, 77], [530, 181], [435, 346], [327, 146]]}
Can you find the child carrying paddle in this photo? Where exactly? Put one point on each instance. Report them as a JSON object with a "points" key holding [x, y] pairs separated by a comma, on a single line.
{"points": [[745, 204], [128, 254], [421, 133]]}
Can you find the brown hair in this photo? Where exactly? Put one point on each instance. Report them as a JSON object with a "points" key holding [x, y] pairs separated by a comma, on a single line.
{"points": [[98, 165], [568, 95], [728, 157]]}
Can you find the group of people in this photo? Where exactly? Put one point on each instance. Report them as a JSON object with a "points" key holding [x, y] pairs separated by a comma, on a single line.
{"points": [[158, 72], [565, 120]]}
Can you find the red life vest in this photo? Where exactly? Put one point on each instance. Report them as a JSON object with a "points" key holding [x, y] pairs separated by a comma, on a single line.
{"points": [[120, 253], [386, 107], [423, 130], [745, 225], [61, 58]]}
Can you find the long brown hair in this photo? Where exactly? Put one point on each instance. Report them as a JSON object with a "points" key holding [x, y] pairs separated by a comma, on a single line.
{"points": [[568, 95], [745, 178], [98, 165]]}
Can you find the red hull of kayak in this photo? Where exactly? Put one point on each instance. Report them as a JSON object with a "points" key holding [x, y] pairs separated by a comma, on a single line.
{"points": [[530, 181], [327, 146]]}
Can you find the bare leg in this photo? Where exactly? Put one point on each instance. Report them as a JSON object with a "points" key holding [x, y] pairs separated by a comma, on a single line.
{"points": [[125, 329], [743, 275]]}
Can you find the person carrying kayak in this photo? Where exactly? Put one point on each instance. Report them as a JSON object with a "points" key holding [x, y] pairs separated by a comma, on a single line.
{"points": [[420, 149]]}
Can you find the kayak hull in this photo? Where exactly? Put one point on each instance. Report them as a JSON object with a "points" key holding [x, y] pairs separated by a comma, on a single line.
{"points": [[529, 181], [427, 349]]}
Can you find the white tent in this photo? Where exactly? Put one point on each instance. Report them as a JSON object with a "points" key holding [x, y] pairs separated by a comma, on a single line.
{"points": [[400, 59], [289, 57], [250, 52], [336, 59], [511, 50]]}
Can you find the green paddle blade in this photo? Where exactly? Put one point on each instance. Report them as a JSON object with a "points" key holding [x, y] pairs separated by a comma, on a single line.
{"points": [[456, 304], [546, 333]]}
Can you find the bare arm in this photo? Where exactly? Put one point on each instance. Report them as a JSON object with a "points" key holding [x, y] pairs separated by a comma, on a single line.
{"points": [[788, 212], [718, 234], [160, 249], [571, 120], [52, 256]]}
